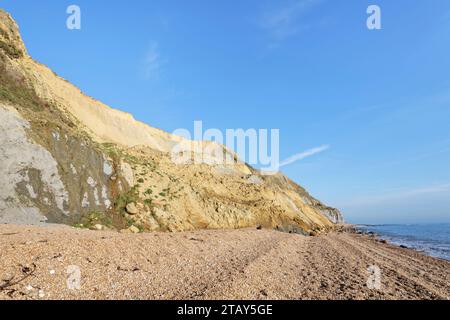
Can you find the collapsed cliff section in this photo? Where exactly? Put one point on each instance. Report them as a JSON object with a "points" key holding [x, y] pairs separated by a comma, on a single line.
{"points": [[186, 197], [67, 158]]}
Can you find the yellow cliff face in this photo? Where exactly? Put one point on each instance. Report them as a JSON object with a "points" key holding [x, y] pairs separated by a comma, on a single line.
{"points": [[119, 172]]}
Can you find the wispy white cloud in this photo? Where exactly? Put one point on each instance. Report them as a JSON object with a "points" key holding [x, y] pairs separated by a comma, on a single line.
{"points": [[283, 21], [303, 155], [153, 62]]}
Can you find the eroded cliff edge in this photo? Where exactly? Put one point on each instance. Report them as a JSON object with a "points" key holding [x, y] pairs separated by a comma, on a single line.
{"points": [[67, 158]]}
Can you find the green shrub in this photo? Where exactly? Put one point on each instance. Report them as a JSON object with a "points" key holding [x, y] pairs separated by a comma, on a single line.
{"points": [[10, 50], [125, 198], [93, 218]]}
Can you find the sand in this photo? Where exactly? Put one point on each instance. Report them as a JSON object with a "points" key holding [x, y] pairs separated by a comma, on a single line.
{"points": [[45, 262]]}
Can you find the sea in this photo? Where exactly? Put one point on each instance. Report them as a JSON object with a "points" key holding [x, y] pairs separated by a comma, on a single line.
{"points": [[431, 239]]}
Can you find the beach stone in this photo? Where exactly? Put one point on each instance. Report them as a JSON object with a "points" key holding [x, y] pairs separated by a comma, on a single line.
{"points": [[132, 209], [134, 229], [97, 227], [255, 180]]}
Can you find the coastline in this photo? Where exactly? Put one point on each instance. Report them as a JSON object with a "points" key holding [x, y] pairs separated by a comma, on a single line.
{"points": [[431, 244], [212, 264]]}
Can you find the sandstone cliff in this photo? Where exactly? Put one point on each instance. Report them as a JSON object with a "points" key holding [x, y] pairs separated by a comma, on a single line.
{"points": [[67, 158]]}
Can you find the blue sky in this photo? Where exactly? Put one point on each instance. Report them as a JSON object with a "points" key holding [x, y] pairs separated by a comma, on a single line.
{"points": [[380, 99]]}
